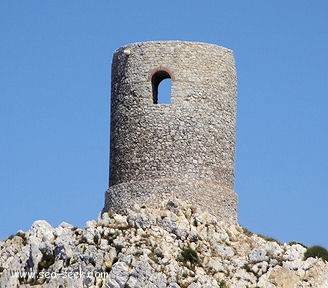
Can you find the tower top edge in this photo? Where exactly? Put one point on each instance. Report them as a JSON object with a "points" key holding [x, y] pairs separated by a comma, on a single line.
{"points": [[172, 42]]}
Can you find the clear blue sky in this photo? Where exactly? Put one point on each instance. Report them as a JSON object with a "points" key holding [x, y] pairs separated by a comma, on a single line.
{"points": [[55, 59]]}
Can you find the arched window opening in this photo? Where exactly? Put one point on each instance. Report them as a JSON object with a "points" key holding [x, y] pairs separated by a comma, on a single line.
{"points": [[164, 91], [161, 83]]}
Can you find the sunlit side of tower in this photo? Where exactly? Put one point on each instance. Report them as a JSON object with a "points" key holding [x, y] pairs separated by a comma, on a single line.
{"points": [[184, 149]]}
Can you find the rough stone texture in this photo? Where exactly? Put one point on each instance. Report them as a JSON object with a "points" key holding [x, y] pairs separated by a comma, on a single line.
{"points": [[145, 249], [184, 149]]}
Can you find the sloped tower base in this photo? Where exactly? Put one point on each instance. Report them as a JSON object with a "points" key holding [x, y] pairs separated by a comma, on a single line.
{"points": [[223, 201]]}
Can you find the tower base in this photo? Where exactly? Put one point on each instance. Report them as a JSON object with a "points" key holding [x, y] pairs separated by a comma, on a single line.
{"points": [[217, 200]]}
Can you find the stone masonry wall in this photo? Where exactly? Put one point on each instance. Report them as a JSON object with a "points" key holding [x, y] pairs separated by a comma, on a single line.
{"points": [[184, 149]]}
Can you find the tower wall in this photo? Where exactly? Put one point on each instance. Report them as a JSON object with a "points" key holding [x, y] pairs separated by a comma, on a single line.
{"points": [[184, 149]]}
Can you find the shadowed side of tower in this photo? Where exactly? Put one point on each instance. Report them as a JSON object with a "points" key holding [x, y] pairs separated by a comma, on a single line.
{"points": [[184, 149]]}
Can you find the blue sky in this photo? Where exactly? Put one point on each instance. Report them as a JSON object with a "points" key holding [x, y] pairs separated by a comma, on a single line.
{"points": [[55, 59]]}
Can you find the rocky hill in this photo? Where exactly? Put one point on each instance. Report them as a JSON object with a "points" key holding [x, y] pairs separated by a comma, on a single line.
{"points": [[174, 245]]}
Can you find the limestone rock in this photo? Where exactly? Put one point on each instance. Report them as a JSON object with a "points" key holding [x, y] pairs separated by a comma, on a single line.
{"points": [[170, 246], [258, 255]]}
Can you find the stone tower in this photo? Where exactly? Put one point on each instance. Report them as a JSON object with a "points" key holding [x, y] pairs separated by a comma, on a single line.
{"points": [[184, 149]]}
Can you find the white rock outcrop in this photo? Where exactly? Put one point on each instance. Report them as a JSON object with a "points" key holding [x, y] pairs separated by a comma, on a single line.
{"points": [[174, 245]]}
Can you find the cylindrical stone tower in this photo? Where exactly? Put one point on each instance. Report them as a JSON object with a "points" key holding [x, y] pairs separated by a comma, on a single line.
{"points": [[184, 149]]}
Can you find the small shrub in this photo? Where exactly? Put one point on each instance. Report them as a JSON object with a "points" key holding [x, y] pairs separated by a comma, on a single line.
{"points": [[295, 243], [247, 232], [222, 284], [23, 236], [188, 255], [267, 238], [119, 248], [19, 234], [316, 251], [46, 261], [73, 261], [246, 267]]}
